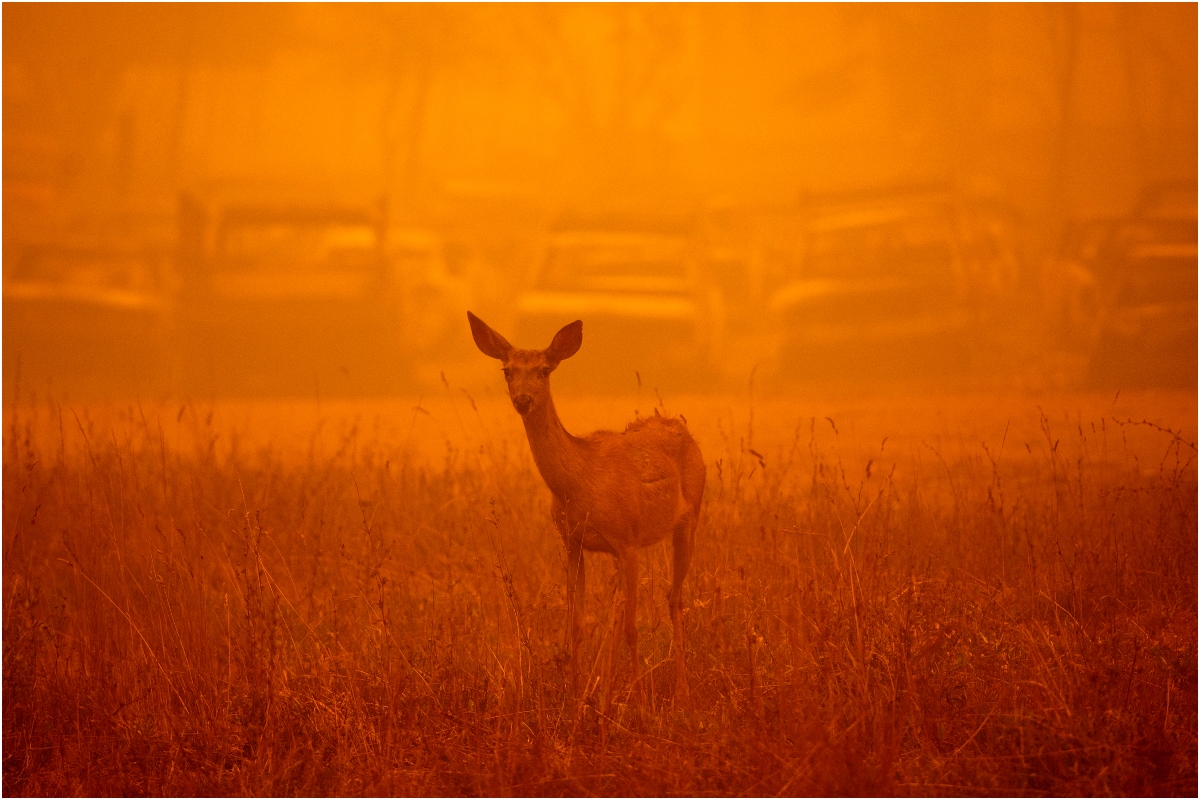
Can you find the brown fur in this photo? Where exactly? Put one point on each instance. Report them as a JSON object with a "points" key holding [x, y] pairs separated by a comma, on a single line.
{"points": [[612, 492]]}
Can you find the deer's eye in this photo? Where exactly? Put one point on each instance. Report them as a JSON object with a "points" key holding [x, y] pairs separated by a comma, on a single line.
{"points": [[507, 374], [545, 372]]}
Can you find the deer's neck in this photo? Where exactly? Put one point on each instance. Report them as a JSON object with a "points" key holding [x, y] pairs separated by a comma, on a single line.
{"points": [[559, 455]]}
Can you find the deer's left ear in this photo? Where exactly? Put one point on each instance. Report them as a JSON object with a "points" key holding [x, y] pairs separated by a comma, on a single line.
{"points": [[566, 343]]}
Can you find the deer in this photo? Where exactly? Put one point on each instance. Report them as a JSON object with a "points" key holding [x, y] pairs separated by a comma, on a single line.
{"points": [[613, 493]]}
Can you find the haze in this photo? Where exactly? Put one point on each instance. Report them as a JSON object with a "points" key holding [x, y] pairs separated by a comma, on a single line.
{"points": [[918, 281], [854, 195]]}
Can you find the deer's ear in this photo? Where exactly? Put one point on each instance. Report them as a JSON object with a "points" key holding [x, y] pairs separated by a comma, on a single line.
{"points": [[491, 343], [566, 343]]}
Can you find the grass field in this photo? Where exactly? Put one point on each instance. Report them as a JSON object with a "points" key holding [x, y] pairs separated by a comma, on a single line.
{"points": [[890, 595]]}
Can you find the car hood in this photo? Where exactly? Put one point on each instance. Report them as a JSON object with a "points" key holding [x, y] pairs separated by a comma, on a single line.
{"points": [[831, 311], [282, 286], [643, 306], [46, 291], [816, 290]]}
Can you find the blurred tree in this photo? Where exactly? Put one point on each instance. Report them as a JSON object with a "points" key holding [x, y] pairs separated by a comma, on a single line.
{"points": [[617, 75], [409, 46], [71, 58], [1158, 43]]}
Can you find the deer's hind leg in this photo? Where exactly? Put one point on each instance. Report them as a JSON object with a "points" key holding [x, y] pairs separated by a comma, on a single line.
{"points": [[627, 565], [683, 538]]}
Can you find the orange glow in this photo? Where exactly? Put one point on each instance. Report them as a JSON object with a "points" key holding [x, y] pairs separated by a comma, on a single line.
{"points": [[912, 287]]}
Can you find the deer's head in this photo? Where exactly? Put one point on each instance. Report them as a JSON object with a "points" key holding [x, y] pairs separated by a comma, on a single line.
{"points": [[527, 371]]}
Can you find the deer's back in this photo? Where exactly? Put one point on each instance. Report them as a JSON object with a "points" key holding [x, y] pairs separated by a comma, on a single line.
{"points": [[670, 437], [637, 482]]}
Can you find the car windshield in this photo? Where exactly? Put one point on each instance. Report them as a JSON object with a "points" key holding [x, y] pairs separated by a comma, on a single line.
{"points": [[85, 269], [1159, 273], [615, 263], [918, 249], [1180, 230], [285, 246]]}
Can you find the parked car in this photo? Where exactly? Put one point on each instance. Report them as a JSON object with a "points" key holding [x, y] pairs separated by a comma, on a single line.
{"points": [[433, 297], [895, 288], [1069, 284], [1144, 275], [87, 316], [287, 298], [645, 307]]}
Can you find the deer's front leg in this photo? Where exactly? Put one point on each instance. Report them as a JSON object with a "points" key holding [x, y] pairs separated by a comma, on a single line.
{"points": [[575, 585], [573, 541]]}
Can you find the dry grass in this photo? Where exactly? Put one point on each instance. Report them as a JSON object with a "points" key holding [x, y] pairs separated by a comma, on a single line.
{"points": [[189, 614]]}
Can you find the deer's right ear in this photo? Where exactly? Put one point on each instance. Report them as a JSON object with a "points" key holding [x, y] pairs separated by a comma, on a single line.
{"points": [[491, 343]]}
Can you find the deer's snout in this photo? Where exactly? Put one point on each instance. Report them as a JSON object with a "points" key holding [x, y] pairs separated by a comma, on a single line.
{"points": [[521, 403]]}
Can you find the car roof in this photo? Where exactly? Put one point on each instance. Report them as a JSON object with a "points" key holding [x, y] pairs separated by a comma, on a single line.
{"points": [[844, 219], [590, 238], [413, 239], [295, 215]]}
